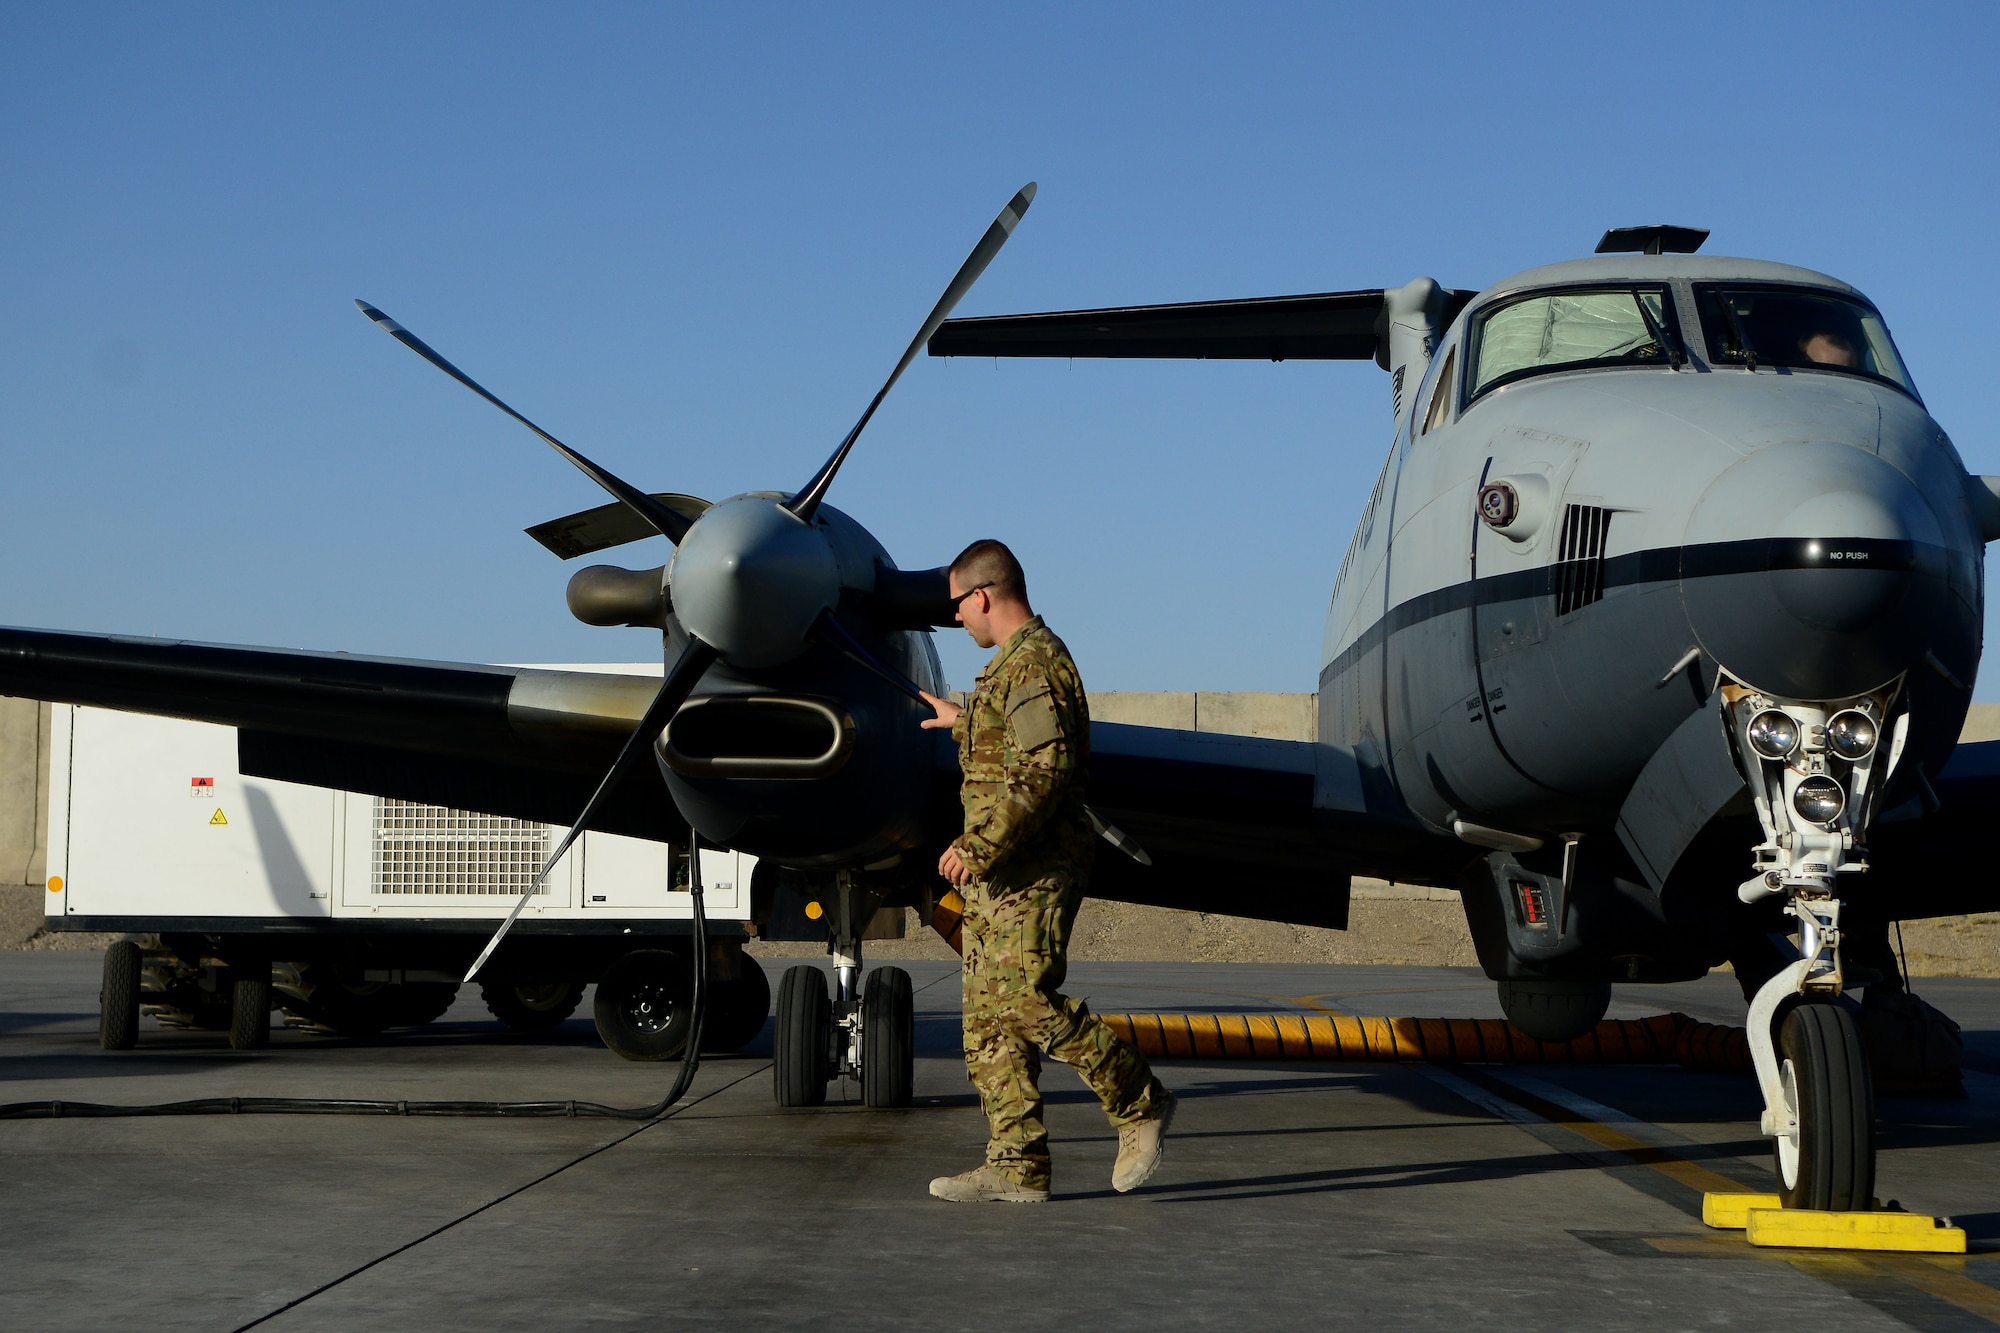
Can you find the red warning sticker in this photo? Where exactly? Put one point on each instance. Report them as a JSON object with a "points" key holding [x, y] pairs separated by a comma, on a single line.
{"points": [[201, 787]]}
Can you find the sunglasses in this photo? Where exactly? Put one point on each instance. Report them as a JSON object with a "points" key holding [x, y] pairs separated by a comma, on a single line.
{"points": [[977, 587]]}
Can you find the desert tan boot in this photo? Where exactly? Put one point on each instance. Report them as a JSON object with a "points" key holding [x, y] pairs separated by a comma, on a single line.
{"points": [[1139, 1149], [985, 1185]]}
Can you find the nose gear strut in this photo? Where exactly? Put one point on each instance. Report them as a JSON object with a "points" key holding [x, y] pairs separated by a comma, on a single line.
{"points": [[1812, 772]]}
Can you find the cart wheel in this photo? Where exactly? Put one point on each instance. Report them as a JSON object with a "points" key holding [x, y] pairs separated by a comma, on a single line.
{"points": [[531, 1006], [412, 1004], [736, 1009], [250, 1013], [644, 1004], [888, 1038], [800, 1066], [1830, 1163], [118, 1001]]}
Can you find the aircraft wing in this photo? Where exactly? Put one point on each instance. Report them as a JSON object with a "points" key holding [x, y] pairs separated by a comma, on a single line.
{"points": [[515, 741], [1247, 826], [1320, 326], [1236, 825]]}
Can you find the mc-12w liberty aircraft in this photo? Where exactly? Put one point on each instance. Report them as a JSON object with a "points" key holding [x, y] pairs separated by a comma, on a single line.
{"points": [[1654, 641]]}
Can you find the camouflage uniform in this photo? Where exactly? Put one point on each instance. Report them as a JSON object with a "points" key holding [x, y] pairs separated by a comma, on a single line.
{"points": [[1024, 745]]}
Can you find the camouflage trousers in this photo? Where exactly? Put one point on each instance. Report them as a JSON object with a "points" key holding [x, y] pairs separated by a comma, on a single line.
{"points": [[1016, 956]]}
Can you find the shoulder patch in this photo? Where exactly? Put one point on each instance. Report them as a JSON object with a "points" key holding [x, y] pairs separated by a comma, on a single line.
{"points": [[1033, 721]]}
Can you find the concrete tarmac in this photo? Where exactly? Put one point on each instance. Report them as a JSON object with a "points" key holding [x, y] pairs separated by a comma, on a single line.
{"points": [[1293, 1195]]}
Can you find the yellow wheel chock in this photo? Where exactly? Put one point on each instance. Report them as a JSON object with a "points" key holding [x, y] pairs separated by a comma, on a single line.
{"points": [[1764, 1221]]}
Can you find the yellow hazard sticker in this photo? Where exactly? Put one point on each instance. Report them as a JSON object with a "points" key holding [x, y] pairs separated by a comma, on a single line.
{"points": [[55, 883], [218, 818]]}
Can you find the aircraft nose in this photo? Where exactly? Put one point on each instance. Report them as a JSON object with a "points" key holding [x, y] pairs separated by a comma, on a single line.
{"points": [[1814, 570]]}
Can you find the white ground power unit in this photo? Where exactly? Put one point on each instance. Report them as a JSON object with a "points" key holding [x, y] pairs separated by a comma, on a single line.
{"points": [[355, 914]]}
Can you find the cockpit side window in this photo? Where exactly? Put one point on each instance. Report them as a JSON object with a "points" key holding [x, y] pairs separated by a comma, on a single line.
{"points": [[1440, 407], [1799, 329], [1570, 330]]}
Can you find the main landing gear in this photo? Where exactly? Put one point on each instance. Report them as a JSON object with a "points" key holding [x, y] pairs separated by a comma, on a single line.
{"points": [[863, 1032]]}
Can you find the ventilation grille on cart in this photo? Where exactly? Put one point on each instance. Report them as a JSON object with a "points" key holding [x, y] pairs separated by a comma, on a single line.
{"points": [[427, 849]]}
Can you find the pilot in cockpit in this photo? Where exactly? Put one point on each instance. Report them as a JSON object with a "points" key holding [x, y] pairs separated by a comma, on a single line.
{"points": [[1828, 348]]}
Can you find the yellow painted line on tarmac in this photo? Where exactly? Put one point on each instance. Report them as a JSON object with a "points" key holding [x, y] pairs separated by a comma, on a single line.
{"points": [[1663, 1160], [1942, 1278]]}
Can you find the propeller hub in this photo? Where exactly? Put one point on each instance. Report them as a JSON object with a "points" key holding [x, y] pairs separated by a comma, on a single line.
{"points": [[750, 578]]}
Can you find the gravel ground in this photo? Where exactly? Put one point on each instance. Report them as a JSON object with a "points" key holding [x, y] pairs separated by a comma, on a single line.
{"points": [[1400, 931]]}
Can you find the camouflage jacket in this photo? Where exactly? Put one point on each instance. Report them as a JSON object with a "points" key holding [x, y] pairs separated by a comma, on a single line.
{"points": [[1024, 749]]}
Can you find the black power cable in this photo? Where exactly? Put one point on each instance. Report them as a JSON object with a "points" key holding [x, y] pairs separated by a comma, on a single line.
{"points": [[690, 1061]]}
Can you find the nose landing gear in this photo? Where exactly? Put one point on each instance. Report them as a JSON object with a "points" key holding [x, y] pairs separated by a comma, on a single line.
{"points": [[866, 1033], [1819, 1100], [1812, 774]]}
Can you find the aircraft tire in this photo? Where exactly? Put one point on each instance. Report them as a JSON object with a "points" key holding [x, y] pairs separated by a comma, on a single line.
{"points": [[1826, 1069], [118, 1001], [888, 1039], [644, 1004], [250, 1013], [800, 1065], [736, 1009], [530, 1006]]}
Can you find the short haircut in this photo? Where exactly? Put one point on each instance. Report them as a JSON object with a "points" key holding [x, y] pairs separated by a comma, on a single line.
{"points": [[989, 561]]}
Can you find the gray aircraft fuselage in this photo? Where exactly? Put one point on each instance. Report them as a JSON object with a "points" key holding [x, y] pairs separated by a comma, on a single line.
{"points": [[1806, 531]]}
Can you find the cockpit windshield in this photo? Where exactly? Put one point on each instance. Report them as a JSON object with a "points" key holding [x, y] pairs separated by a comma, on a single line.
{"points": [[1798, 329], [1572, 330]]}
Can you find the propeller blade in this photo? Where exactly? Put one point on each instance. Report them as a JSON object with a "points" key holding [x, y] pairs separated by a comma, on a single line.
{"points": [[806, 502], [607, 526], [679, 683], [665, 521], [835, 635]]}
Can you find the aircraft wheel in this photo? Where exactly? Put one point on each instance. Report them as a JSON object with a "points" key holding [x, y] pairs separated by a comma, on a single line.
{"points": [[644, 1004], [801, 1047], [888, 1038], [531, 1006], [1830, 1164], [250, 1013], [736, 1009], [118, 1001]]}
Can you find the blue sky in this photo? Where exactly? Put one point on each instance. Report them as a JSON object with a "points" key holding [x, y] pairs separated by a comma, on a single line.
{"points": [[690, 241]]}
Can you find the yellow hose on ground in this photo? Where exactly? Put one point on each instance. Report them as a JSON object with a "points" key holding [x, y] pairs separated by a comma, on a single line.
{"points": [[1662, 1039]]}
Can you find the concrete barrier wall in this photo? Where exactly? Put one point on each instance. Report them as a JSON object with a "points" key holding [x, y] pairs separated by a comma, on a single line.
{"points": [[24, 791], [24, 750]]}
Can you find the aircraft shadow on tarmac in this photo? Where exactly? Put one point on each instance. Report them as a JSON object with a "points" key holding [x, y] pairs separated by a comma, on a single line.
{"points": [[29, 1068], [24, 1022], [1388, 1176], [1982, 1230]]}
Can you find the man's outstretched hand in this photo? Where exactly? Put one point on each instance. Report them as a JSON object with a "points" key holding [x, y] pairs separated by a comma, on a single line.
{"points": [[947, 713]]}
